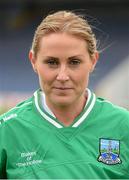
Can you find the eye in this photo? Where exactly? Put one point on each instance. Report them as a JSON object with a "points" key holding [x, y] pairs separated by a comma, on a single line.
{"points": [[74, 62], [52, 63]]}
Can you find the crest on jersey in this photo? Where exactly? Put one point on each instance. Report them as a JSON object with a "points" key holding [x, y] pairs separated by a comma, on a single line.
{"points": [[109, 151]]}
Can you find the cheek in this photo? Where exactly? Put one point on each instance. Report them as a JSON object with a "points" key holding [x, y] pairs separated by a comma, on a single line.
{"points": [[46, 77], [44, 82], [82, 79], [82, 76]]}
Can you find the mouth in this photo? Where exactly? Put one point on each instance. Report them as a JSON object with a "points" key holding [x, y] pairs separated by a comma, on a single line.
{"points": [[62, 88]]}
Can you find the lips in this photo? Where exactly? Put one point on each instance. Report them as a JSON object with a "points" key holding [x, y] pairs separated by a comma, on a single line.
{"points": [[63, 88]]}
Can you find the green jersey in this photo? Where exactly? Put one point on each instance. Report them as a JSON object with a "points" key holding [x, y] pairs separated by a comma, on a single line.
{"points": [[34, 144]]}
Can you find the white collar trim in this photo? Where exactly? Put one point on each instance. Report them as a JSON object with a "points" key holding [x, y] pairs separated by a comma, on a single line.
{"points": [[76, 124]]}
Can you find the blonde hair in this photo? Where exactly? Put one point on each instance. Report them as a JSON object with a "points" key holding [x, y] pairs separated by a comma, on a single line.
{"points": [[68, 22]]}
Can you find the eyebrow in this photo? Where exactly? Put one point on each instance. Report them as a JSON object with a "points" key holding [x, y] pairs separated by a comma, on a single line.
{"points": [[47, 57], [75, 56], [56, 58]]}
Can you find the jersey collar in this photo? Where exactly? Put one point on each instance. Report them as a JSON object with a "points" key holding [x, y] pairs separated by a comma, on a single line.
{"points": [[51, 119]]}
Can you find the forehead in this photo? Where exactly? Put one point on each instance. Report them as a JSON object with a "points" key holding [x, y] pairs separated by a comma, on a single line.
{"points": [[62, 40]]}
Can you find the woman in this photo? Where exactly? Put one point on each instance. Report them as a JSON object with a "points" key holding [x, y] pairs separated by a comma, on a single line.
{"points": [[64, 131]]}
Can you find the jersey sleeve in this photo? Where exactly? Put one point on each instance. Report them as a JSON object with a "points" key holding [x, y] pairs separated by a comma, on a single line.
{"points": [[125, 144], [2, 153]]}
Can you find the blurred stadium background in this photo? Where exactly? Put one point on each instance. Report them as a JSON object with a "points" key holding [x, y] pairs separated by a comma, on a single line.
{"points": [[18, 20]]}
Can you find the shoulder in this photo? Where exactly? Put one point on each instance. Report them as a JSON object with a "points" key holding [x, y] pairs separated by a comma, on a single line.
{"points": [[18, 110], [116, 116], [109, 106], [112, 111]]}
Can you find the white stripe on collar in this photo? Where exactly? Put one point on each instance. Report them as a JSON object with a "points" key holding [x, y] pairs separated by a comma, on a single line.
{"points": [[43, 114], [45, 106], [86, 113]]}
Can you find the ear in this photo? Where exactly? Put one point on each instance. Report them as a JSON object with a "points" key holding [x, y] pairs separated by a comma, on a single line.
{"points": [[32, 60], [94, 60]]}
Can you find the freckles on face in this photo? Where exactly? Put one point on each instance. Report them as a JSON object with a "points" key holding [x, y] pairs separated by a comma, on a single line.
{"points": [[63, 65]]}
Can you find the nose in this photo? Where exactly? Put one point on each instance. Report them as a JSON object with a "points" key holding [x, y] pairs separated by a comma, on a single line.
{"points": [[63, 74]]}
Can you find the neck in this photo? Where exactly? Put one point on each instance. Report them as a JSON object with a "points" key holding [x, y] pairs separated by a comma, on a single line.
{"points": [[67, 114]]}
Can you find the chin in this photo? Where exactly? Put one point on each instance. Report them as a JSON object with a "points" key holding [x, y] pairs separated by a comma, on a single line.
{"points": [[62, 101]]}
